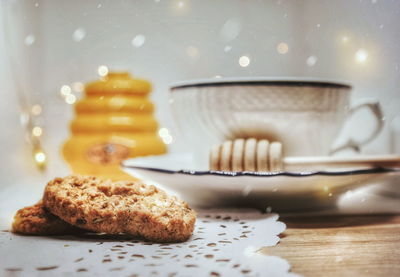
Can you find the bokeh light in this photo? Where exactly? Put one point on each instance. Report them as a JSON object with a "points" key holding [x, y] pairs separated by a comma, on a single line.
{"points": [[311, 60], [361, 56], [29, 40], [36, 109], [165, 135], [138, 41], [163, 132], [282, 48], [231, 29], [102, 70], [40, 157], [37, 131], [78, 34], [180, 4], [244, 61], [192, 51], [78, 86], [227, 48], [70, 99], [65, 90]]}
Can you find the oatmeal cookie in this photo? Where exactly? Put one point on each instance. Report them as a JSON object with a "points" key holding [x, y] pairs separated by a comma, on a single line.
{"points": [[120, 207], [37, 220]]}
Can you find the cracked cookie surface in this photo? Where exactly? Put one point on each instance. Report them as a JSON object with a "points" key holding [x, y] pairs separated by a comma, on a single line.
{"points": [[120, 207], [37, 220]]}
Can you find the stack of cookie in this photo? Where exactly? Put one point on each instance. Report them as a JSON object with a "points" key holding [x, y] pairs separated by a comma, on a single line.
{"points": [[79, 203], [247, 155]]}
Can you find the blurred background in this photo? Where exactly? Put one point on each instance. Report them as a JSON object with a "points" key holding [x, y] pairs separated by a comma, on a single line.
{"points": [[50, 49]]}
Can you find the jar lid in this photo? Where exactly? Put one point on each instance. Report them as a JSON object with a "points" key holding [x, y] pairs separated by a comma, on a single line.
{"points": [[118, 83]]}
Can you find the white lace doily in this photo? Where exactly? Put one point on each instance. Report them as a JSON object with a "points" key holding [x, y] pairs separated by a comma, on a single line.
{"points": [[224, 244]]}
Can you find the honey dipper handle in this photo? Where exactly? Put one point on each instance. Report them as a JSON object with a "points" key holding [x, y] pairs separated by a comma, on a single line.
{"points": [[364, 161]]}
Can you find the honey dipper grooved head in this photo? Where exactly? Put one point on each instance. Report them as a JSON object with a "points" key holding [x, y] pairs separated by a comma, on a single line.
{"points": [[226, 156], [215, 157], [262, 155], [238, 155], [250, 149]]}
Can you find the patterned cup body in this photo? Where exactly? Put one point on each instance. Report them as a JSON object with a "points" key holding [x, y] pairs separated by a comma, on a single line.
{"points": [[305, 116]]}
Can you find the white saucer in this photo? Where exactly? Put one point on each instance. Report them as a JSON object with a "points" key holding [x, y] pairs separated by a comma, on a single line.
{"points": [[284, 191]]}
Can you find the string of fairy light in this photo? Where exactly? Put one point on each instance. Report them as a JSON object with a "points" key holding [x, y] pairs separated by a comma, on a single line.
{"points": [[35, 135], [31, 120]]}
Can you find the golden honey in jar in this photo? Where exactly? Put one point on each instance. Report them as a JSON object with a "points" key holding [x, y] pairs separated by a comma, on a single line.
{"points": [[114, 121]]}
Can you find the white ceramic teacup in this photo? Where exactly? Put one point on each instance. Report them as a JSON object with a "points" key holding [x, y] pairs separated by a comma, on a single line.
{"points": [[306, 115]]}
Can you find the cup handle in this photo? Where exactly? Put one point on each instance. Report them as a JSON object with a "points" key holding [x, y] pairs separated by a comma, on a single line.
{"points": [[375, 108]]}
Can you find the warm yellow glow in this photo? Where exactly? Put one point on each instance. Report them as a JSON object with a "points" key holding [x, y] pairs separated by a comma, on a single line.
{"points": [[181, 4], [102, 70], [282, 48], [192, 51], [65, 90], [37, 131], [244, 61], [361, 56], [70, 99], [179, 7], [36, 110], [78, 86], [345, 39], [40, 157]]}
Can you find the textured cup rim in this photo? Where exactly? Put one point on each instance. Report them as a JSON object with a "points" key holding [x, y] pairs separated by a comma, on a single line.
{"points": [[261, 81]]}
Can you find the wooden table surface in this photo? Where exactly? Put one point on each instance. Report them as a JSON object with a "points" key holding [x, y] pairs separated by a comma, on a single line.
{"points": [[341, 245]]}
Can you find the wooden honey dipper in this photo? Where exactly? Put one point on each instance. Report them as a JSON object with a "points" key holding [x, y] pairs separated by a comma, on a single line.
{"points": [[262, 155], [247, 155]]}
